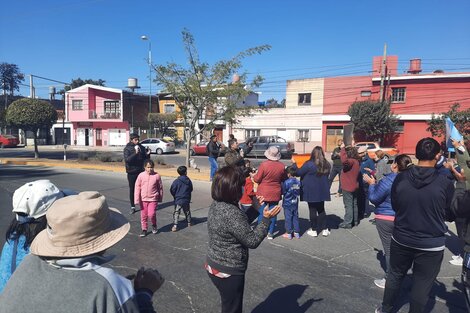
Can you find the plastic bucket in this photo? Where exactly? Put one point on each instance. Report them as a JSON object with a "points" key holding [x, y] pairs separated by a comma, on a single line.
{"points": [[300, 159]]}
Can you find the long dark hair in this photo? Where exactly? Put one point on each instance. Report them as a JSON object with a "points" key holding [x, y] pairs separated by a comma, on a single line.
{"points": [[30, 230], [318, 158]]}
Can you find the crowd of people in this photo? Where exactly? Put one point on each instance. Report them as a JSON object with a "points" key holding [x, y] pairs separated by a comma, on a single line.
{"points": [[60, 237]]}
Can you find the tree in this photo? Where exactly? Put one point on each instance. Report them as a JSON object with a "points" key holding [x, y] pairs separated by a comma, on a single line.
{"points": [[163, 122], [460, 118], [31, 114], [373, 120], [208, 92], [10, 78], [77, 82], [273, 103]]}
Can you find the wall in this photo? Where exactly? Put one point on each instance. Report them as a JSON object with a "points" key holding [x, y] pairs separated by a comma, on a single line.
{"points": [[309, 85], [341, 92]]}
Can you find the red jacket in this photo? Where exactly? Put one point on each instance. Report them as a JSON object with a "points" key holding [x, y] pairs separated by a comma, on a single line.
{"points": [[249, 193], [349, 178], [148, 188], [269, 177]]}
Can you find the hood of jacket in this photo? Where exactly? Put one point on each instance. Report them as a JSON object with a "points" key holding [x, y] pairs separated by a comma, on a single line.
{"points": [[184, 179], [422, 176]]}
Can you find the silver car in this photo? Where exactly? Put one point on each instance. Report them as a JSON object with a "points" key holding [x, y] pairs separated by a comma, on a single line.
{"points": [[158, 145]]}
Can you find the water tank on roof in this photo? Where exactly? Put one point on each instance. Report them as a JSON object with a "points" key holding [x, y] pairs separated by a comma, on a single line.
{"points": [[415, 66], [132, 83]]}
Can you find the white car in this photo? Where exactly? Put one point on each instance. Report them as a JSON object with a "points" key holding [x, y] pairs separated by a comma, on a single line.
{"points": [[158, 146]]}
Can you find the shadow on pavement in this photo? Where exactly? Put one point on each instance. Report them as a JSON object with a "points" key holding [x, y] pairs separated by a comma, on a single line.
{"points": [[285, 299], [182, 223], [17, 171]]}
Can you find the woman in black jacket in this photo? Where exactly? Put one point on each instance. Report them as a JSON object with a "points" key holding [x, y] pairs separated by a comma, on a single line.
{"points": [[230, 237]]}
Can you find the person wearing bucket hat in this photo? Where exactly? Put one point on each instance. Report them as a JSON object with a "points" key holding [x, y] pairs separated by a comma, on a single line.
{"points": [[68, 257], [30, 204], [269, 178]]}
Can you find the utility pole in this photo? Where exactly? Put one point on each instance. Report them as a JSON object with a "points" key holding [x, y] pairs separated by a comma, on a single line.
{"points": [[382, 73]]}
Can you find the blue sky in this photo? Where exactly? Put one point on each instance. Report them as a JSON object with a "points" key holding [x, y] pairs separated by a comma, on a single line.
{"points": [[100, 39]]}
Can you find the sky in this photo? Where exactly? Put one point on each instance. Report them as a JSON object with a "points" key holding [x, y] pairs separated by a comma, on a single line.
{"points": [[100, 39]]}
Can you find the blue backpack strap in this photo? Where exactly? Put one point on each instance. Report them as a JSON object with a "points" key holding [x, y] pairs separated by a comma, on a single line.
{"points": [[13, 255]]}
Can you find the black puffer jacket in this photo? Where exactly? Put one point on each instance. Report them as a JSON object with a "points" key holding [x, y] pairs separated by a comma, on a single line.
{"points": [[134, 161]]}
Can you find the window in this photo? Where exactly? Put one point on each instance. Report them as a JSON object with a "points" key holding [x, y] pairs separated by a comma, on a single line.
{"points": [[112, 108], [305, 98], [366, 93], [169, 108], [302, 135], [252, 133], [398, 94], [77, 105], [263, 140]]}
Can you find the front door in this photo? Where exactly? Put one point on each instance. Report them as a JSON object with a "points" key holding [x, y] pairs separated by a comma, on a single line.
{"points": [[87, 137], [99, 141], [333, 133]]}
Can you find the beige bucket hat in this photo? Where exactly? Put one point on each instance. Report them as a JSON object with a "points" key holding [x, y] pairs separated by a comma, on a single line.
{"points": [[80, 225], [273, 153]]}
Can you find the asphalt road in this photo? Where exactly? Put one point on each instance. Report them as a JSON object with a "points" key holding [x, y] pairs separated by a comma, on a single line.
{"points": [[72, 153], [325, 274]]}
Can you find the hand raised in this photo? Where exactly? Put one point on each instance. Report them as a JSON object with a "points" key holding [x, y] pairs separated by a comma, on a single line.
{"points": [[148, 279]]}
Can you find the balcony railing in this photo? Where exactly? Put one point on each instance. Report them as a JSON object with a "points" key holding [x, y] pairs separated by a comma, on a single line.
{"points": [[92, 115]]}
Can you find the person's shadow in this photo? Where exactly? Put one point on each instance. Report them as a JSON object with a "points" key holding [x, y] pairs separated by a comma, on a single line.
{"points": [[285, 299]]}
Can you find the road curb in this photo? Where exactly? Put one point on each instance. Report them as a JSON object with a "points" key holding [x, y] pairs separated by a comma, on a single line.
{"points": [[164, 172]]}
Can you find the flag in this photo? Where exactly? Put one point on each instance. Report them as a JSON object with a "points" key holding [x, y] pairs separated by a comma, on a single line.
{"points": [[451, 133]]}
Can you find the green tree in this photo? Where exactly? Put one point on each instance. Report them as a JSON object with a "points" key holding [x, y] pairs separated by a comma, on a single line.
{"points": [[31, 114], [208, 92], [77, 82], [460, 118], [373, 120], [163, 122], [10, 78]]}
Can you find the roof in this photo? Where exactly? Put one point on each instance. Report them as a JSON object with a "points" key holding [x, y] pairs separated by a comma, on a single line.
{"points": [[425, 76], [95, 87]]}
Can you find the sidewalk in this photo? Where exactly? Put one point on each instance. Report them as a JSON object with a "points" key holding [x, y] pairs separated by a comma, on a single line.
{"points": [[202, 174]]}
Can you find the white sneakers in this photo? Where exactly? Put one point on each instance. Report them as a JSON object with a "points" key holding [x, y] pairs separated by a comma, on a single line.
{"points": [[456, 260], [312, 233], [380, 283]]}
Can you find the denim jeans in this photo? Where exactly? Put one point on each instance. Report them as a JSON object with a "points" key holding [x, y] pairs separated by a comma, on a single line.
{"points": [[273, 220], [350, 208], [291, 215], [214, 166], [426, 265]]}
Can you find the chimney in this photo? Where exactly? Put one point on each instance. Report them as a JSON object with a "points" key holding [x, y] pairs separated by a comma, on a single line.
{"points": [[415, 66]]}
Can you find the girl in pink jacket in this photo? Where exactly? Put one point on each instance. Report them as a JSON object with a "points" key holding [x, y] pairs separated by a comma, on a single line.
{"points": [[148, 192]]}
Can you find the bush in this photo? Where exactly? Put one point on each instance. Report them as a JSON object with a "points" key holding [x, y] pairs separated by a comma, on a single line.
{"points": [[83, 156], [104, 157], [160, 161]]}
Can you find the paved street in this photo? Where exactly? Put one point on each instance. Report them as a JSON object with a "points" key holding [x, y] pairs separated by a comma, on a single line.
{"points": [[325, 274]]}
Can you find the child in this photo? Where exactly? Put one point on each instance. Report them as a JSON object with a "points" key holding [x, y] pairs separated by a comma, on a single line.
{"points": [[148, 192], [181, 190], [30, 204], [246, 201], [290, 203]]}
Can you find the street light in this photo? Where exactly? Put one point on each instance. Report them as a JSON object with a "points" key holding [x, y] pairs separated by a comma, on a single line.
{"points": [[150, 70]]}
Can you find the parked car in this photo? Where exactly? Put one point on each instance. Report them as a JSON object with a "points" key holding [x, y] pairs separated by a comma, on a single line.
{"points": [[200, 149], [390, 153], [256, 146], [158, 146], [8, 141]]}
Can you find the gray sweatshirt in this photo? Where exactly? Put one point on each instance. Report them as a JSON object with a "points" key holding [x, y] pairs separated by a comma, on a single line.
{"points": [[230, 237], [70, 285]]}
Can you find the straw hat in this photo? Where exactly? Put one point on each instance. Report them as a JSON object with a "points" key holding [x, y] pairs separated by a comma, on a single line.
{"points": [[273, 153], [361, 149], [80, 225]]}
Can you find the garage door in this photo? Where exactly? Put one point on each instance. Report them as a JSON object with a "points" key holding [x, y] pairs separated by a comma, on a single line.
{"points": [[117, 137]]}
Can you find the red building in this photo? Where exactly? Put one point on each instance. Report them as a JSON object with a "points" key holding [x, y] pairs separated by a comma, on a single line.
{"points": [[414, 97]]}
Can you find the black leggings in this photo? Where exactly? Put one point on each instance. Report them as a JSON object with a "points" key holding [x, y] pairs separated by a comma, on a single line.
{"points": [[317, 223], [131, 178], [231, 292]]}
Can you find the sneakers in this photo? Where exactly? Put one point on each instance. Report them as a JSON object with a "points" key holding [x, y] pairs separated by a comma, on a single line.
{"points": [[380, 283], [143, 233], [296, 235], [456, 260], [287, 236], [189, 225], [345, 226], [270, 236], [312, 233], [154, 229], [379, 310], [132, 210], [325, 232], [174, 228]]}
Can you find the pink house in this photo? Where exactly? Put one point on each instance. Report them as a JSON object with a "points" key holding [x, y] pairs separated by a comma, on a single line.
{"points": [[102, 116]]}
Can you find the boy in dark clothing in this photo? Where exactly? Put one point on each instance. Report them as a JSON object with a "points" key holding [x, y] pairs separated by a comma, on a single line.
{"points": [[421, 199], [181, 191], [134, 156], [290, 203]]}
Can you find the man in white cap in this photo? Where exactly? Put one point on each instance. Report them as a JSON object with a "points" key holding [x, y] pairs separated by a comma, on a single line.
{"points": [[65, 273]]}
